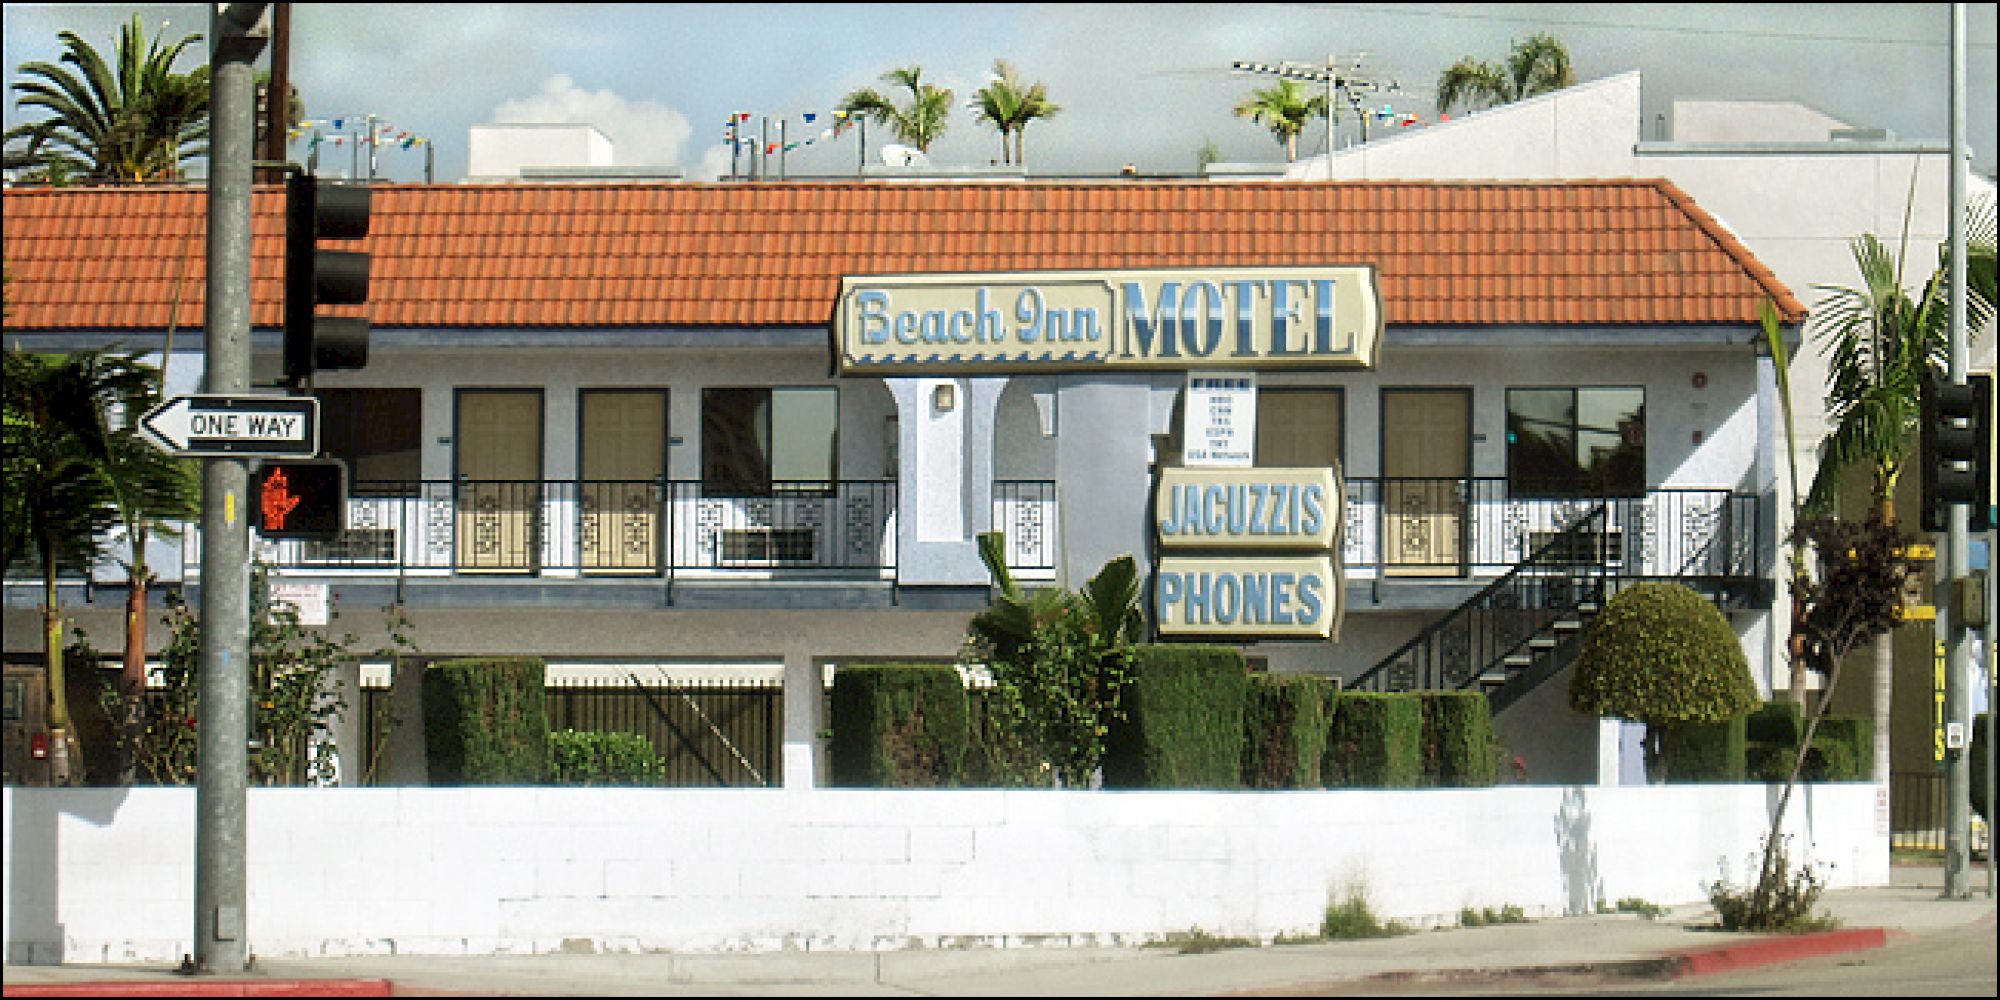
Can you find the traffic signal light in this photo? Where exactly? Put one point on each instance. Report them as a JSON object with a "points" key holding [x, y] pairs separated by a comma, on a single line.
{"points": [[300, 499], [1957, 449], [314, 211]]}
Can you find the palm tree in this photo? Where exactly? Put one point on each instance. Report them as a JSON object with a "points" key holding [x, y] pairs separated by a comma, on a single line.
{"points": [[1881, 343], [1286, 109], [920, 122], [135, 120], [1008, 105], [1537, 65], [58, 500]]}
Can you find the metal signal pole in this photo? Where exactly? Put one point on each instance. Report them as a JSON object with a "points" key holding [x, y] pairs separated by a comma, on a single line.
{"points": [[237, 33]]}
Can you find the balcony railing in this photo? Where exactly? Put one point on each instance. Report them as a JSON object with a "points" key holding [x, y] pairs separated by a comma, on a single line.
{"points": [[1394, 528]]}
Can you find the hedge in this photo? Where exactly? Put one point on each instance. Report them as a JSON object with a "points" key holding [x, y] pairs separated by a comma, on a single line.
{"points": [[1460, 749], [1183, 720], [603, 758], [1704, 751], [486, 721], [899, 725], [1376, 741], [1842, 747], [1285, 720]]}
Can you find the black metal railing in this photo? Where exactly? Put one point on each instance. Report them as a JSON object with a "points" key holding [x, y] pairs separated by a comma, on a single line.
{"points": [[1566, 571], [1917, 814], [1481, 525], [708, 733], [611, 528], [1466, 527]]}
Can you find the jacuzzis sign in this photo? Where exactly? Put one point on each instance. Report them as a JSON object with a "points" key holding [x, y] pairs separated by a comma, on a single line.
{"points": [[1244, 318]]}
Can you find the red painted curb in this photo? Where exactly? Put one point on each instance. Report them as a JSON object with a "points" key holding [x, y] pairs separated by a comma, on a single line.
{"points": [[1777, 950], [193, 987]]}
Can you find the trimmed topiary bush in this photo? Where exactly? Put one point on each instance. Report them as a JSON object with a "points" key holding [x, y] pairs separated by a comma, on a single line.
{"points": [[1285, 720], [900, 725], [603, 758], [1376, 741], [486, 721], [1704, 751], [1182, 720], [1460, 749], [1662, 655]]}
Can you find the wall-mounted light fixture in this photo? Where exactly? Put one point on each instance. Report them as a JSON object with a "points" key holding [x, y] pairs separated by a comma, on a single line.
{"points": [[944, 398]]}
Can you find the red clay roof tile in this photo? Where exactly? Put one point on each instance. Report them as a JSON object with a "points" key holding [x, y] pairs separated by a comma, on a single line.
{"points": [[1470, 253]]}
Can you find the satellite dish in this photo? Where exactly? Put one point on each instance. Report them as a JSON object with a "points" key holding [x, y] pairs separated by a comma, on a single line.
{"points": [[904, 156]]}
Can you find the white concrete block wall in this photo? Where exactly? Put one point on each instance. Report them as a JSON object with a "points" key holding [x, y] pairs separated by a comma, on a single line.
{"points": [[102, 875]]}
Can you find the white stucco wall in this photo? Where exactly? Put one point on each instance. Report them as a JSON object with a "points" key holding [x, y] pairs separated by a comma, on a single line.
{"points": [[106, 875]]}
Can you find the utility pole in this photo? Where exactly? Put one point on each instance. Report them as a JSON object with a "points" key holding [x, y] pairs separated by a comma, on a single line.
{"points": [[237, 33], [1952, 603], [278, 97]]}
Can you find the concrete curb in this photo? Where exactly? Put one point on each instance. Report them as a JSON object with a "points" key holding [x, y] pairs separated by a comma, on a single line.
{"points": [[1775, 951]]}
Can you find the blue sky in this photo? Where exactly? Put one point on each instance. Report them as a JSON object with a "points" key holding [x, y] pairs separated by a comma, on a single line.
{"points": [[1145, 84]]}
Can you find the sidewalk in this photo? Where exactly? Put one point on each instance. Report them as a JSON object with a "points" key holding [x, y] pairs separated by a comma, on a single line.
{"points": [[1680, 944]]}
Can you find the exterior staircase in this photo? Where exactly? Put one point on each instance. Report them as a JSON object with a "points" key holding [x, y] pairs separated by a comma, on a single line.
{"points": [[1529, 624]]}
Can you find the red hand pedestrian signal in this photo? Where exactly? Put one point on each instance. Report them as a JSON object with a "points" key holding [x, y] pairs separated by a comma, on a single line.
{"points": [[278, 500], [305, 499]]}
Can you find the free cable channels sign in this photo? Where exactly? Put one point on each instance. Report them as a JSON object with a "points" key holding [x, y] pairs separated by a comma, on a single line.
{"points": [[235, 426]]}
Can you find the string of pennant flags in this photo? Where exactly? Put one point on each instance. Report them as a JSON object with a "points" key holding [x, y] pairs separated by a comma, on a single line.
{"points": [[842, 121], [381, 133]]}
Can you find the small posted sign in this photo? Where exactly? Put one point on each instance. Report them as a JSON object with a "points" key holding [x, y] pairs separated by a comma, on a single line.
{"points": [[1219, 425]]}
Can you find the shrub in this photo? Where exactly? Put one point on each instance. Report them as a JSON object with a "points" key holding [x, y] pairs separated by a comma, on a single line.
{"points": [[1778, 901], [1704, 751], [1059, 660], [1662, 655], [1376, 740], [1285, 719], [898, 726], [1181, 724], [486, 721], [1775, 722], [1459, 747], [1842, 748], [597, 758]]}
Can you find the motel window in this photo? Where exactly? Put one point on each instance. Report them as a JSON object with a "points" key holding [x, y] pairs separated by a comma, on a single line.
{"points": [[1299, 428], [757, 441], [1576, 442], [378, 433]]}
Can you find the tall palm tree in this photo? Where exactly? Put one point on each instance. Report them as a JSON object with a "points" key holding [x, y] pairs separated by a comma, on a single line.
{"points": [[1009, 105], [1286, 109], [1536, 65], [135, 119], [58, 500], [1881, 342], [920, 122]]}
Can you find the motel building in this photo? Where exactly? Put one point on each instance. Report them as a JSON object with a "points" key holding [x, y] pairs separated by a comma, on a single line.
{"points": [[1404, 433]]}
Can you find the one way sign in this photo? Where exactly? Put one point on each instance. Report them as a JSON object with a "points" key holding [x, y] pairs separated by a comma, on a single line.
{"points": [[235, 426]]}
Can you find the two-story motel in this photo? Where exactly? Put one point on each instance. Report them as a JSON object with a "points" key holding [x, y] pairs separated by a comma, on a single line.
{"points": [[760, 426]]}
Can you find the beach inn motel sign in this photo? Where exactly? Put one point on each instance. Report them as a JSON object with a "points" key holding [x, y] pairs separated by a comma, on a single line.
{"points": [[1243, 553], [1261, 318]]}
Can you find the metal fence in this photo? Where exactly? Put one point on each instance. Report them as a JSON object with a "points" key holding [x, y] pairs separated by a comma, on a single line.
{"points": [[1917, 810], [709, 734]]}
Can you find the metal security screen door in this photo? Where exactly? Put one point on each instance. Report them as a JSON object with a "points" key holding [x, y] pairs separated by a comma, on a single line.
{"points": [[624, 464], [1426, 467], [499, 440]]}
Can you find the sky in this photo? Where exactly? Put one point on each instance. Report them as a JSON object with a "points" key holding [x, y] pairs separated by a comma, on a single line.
{"points": [[1148, 85]]}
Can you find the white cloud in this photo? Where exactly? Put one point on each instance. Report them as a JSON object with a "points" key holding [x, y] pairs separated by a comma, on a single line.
{"points": [[642, 132]]}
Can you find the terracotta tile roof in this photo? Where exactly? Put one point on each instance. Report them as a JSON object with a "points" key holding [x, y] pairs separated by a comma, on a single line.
{"points": [[1607, 252]]}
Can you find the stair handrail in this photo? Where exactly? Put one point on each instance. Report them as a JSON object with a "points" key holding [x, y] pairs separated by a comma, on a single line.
{"points": [[1562, 541]]}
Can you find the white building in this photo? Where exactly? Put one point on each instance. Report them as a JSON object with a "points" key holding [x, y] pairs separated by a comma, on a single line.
{"points": [[600, 421]]}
